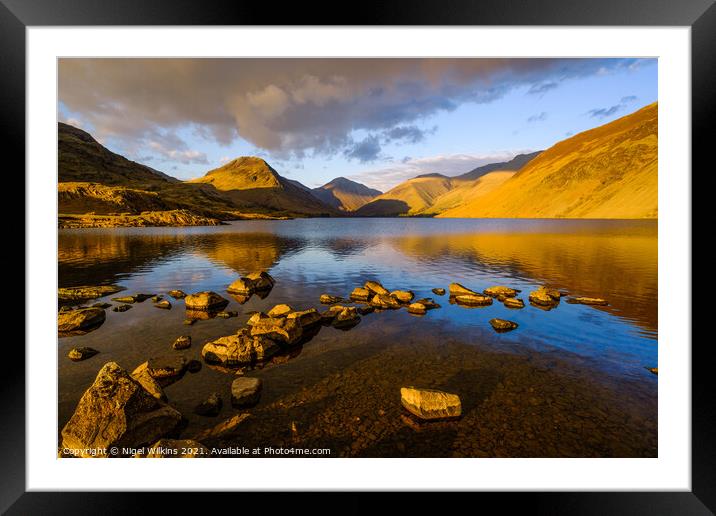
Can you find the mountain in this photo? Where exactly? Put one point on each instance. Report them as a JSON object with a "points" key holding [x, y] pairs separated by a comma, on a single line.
{"points": [[606, 172], [251, 183], [408, 198], [514, 164], [344, 194]]}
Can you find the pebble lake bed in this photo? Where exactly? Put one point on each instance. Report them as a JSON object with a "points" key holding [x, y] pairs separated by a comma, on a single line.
{"points": [[560, 362]]}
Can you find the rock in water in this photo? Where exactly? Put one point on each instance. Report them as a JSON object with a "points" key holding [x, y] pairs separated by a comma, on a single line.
{"points": [[86, 292], [193, 366], [136, 298], [239, 350], [376, 288], [360, 294], [164, 304], [82, 319], [254, 282], [279, 329], [417, 308], [438, 291], [458, 290], [545, 297], [587, 301], [141, 375], [280, 311], [117, 411], [256, 318], [205, 301], [500, 291], [101, 305], [428, 302], [330, 314], [365, 310], [513, 302], [306, 318], [404, 296], [210, 407], [121, 308], [166, 369], [245, 391], [176, 449], [177, 294], [227, 314], [502, 325], [242, 286], [182, 342], [346, 318], [430, 403], [327, 299], [473, 300], [78, 354], [384, 301], [654, 370], [262, 280]]}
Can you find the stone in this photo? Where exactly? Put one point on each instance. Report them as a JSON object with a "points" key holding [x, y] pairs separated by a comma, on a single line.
{"points": [[376, 288], [210, 406], [164, 304], [176, 449], [438, 291], [404, 296], [428, 302], [417, 308], [78, 354], [500, 291], [587, 301], [262, 280], [205, 301], [82, 319], [116, 411], [245, 391], [513, 302], [346, 318], [242, 286], [256, 281], [306, 318], [279, 329], [157, 298], [365, 310], [183, 342], [87, 292], [239, 349], [136, 298], [151, 385], [189, 322], [503, 325], [256, 318], [360, 294], [544, 297], [458, 290], [227, 314], [177, 294], [166, 369], [384, 301], [101, 305], [222, 429], [280, 311], [121, 308], [331, 313], [328, 299], [473, 300], [430, 403]]}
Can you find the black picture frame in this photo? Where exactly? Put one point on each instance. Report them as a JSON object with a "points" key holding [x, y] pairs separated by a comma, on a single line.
{"points": [[700, 15]]}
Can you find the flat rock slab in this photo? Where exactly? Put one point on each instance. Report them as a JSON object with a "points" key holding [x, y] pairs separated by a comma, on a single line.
{"points": [[87, 292], [503, 325], [430, 404], [417, 309], [206, 300], [500, 291], [457, 290], [404, 296], [473, 300], [166, 367], [375, 287], [81, 319], [513, 302], [245, 391], [587, 301]]}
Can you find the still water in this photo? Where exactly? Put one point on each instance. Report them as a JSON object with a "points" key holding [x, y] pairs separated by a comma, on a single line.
{"points": [[568, 382]]}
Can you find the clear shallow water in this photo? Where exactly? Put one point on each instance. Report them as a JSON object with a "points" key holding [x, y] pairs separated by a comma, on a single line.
{"points": [[580, 345]]}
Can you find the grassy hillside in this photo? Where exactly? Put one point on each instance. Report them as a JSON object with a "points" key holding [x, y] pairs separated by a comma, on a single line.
{"points": [[606, 172], [467, 191], [344, 194], [409, 198]]}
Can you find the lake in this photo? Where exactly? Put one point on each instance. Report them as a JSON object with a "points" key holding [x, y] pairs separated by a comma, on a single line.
{"points": [[568, 382]]}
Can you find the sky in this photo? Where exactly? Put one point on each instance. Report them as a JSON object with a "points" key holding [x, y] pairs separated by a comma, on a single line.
{"points": [[375, 121]]}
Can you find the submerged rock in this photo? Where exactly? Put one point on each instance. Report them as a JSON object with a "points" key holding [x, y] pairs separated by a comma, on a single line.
{"points": [[346, 318], [417, 308], [360, 294], [306, 318], [279, 329], [262, 280], [473, 300], [328, 299], [365, 310], [376, 288], [210, 407], [78, 354], [587, 301], [189, 322], [239, 349], [430, 403], [136, 298], [502, 325], [183, 342], [165, 305], [245, 391], [121, 308], [384, 301], [458, 290], [428, 302], [87, 292], [116, 411], [82, 319], [438, 291], [280, 311], [101, 305], [500, 291], [513, 302], [176, 449], [331, 313], [177, 294], [205, 301], [404, 296]]}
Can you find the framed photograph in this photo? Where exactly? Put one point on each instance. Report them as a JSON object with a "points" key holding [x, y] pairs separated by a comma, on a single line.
{"points": [[434, 250]]}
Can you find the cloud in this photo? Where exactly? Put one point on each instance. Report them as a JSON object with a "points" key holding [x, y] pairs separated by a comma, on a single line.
{"points": [[628, 99], [293, 107], [386, 178], [609, 111], [365, 151], [185, 156], [541, 117]]}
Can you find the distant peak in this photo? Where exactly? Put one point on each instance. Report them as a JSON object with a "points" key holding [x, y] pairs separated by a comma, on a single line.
{"points": [[434, 174]]}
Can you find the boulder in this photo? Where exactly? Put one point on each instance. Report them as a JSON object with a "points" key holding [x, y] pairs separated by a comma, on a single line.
{"points": [[544, 297], [121, 308], [346, 318], [164, 304], [279, 329], [239, 349], [78, 354], [376, 288], [331, 313], [430, 404], [242, 286], [183, 342], [438, 291], [116, 411], [245, 391], [306, 318], [417, 308], [587, 301], [152, 386], [513, 302], [210, 407], [404, 296], [360, 294], [458, 290], [384, 301], [176, 449], [502, 325], [177, 294], [86, 292], [82, 319], [205, 301], [328, 299], [500, 291], [473, 300], [254, 282], [262, 280], [256, 318], [280, 311]]}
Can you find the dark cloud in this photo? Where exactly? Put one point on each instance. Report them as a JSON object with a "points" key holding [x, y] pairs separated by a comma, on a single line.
{"points": [[406, 133], [365, 151], [290, 107], [541, 117]]}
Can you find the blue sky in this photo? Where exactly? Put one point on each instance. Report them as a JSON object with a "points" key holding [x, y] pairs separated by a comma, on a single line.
{"points": [[375, 122]]}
